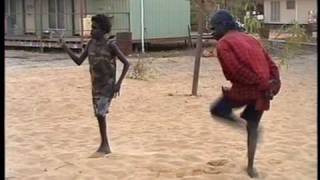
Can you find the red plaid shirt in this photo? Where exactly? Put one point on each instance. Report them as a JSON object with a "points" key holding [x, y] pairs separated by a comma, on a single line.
{"points": [[248, 67]]}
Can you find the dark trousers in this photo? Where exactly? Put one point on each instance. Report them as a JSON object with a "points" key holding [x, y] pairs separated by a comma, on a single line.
{"points": [[223, 108]]}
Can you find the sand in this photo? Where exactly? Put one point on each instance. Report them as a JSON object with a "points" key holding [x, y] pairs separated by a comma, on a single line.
{"points": [[157, 131]]}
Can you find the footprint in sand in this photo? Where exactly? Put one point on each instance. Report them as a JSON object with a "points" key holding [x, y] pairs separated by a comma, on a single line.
{"points": [[275, 161], [215, 166], [212, 167], [219, 162]]}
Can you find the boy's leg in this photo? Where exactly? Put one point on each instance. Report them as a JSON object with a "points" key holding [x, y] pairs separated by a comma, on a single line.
{"points": [[104, 146], [252, 117], [101, 106]]}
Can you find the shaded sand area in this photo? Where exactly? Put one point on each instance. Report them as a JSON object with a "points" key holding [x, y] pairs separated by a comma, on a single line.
{"points": [[157, 130]]}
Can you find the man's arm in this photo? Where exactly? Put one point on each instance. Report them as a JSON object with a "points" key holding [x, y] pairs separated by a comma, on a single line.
{"points": [[275, 77], [272, 66], [73, 56], [125, 62]]}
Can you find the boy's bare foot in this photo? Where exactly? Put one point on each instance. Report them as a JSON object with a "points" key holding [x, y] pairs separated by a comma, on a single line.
{"points": [[252, 172]]}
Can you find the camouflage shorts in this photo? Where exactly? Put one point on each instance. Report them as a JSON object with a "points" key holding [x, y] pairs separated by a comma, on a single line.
{"points": [[101, 105]]}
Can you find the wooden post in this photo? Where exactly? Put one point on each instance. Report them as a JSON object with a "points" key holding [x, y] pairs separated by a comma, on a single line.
{"points": [[189, 36], [200, 17]]}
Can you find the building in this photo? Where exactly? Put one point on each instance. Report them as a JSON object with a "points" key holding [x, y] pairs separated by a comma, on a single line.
{"points": [[39, 23], [279, 12]]}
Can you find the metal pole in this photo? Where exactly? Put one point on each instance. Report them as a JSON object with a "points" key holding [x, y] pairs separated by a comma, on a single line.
{"points": [[8, 18], [81, 23], [41, 30], [142, 25], [57, 14], [296, 5]]}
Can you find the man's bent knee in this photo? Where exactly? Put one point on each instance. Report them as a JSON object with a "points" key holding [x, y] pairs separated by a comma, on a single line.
{"points": [[252, 116], [221, 108]]}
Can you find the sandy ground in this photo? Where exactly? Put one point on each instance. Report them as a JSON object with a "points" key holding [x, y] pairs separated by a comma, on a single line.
{"points": [[157, 131]]}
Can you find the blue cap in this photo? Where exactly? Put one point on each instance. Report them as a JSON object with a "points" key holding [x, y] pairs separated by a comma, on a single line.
{"points": [[223, 17]]}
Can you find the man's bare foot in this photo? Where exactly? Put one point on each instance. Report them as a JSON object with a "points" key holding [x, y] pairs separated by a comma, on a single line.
{"points": [[104, 149], [97, 155], [252, 172]]}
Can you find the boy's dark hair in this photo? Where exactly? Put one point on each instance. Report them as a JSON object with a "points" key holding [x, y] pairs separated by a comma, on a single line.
{"points": [[103, 22]]}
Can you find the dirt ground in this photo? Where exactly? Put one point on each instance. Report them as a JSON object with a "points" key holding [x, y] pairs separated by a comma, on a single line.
{"points": [[157, 131]]}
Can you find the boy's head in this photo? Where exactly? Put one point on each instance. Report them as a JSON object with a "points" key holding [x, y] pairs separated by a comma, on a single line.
{"points": [[100, 26], [222, 22]]}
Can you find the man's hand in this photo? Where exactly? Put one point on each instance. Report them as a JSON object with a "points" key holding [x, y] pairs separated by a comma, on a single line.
{"points": [[269, 95], [275, 86], [225, 89], [274, 89]]}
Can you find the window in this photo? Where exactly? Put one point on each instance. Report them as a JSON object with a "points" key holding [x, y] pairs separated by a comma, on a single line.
{"points": [[10, 15], [12, 12], [260, 9], [6, 7], [291, 4], [56, 14], [275, 11]]}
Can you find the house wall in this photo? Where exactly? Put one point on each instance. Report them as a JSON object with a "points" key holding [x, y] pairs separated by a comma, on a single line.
{"points": [[162, 18], [45, 17], [288, 15], [135, 21], [119, 10], [17, 27], [303, 7], [41, 18], [68, 24], [68, 18], [20, 24]]}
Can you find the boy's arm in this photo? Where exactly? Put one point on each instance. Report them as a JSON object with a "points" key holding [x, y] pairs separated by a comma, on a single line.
{"points": [[115, 48], [73, 56]]}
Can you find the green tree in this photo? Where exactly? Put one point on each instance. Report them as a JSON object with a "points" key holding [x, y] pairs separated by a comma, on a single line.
{"points": [[292, 46]]}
